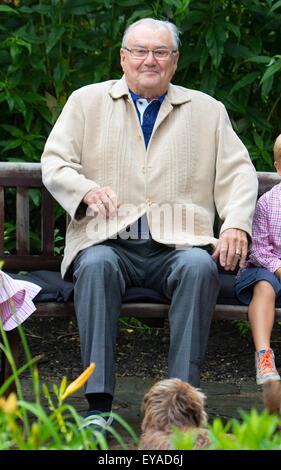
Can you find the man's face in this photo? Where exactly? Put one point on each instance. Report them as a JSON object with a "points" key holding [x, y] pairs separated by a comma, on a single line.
{"points": [[149, 77]]}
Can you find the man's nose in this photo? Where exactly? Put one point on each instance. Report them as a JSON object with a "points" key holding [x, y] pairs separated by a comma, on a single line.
{"points": [[150, 59]]}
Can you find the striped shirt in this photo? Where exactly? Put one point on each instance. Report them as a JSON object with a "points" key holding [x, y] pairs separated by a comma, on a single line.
{"points": [[266, 242], [15, 300]]}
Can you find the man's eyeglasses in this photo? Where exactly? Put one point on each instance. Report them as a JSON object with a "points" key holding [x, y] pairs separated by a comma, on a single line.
{"points": [[141, 53]]}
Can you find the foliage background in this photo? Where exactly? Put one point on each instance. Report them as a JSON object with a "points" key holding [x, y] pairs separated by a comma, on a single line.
{"points": [[230, 49]]}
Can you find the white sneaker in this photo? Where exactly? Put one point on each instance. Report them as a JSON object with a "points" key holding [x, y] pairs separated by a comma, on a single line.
{"points": [[265, 366]]}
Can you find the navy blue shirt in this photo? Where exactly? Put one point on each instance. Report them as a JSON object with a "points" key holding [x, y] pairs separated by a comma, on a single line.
{"points": [[147, 124], [149, 116]]}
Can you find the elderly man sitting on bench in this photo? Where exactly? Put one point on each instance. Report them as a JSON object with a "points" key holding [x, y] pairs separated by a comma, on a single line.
{"points": [[141, 165]]}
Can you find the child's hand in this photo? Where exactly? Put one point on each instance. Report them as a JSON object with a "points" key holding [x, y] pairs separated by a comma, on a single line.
{"points": [[278, 274]]}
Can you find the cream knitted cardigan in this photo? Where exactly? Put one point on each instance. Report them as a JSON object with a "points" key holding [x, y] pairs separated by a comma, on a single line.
{"points": [[194, 163]]}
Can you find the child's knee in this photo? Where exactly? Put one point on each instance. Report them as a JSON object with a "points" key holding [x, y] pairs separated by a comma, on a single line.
{"points": [[265, 290]]}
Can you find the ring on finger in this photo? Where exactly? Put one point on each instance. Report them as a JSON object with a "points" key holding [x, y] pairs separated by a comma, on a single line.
{"points": [[238, 252]]}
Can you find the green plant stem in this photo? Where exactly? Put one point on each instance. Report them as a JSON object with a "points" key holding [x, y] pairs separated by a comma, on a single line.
{"points": [[273, 107], [9, 356]]}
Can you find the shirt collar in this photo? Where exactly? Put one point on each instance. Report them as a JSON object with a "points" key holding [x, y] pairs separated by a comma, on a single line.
{"points": [[175, 95], [136, 97]]}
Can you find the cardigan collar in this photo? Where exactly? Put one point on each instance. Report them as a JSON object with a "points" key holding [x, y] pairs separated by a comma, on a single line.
{"points": [[175, 95]]}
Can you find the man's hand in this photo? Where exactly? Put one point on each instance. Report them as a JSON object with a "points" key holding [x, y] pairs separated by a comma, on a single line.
{"points": [[102, 201], [232, 248]]}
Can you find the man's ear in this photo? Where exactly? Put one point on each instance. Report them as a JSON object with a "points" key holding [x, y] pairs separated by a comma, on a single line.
{"points": [[176, 60], [122, 57], [122, 60]]}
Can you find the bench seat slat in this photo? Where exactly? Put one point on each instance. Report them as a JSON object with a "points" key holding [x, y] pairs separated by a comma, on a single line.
{"points": [[145, 310]]}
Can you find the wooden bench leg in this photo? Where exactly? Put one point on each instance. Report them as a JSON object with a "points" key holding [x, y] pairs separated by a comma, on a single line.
{"points": [[6, 371]]}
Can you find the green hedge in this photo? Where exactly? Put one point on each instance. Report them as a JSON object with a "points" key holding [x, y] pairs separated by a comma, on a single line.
{"points": [[230, 49]]}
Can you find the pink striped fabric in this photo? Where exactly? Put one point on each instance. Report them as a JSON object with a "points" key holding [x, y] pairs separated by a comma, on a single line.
{"points": [[265, 251], [16, 300]]}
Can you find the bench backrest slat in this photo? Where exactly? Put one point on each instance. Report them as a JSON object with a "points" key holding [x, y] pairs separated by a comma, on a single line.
{"points": [[47, 223], [22, 221], [13, 174], [24, 176], [267, 180]]}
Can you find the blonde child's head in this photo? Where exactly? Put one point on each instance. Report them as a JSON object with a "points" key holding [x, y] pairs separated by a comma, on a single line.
{"points": [[277, 154]]}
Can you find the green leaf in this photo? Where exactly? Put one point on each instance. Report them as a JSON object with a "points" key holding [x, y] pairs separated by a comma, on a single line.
{"points": [[17, 41], [215, 39], [35, 196], [259, 59], [25, 9], [40, 413], [32, 98], [272, 69], [173, 3], [258, 140], [19, 104], [275, 6], [238, 51], [38, 63], [209, 82], [27, 149], [258, 118], [63, 386], [192, 18], [128, 3], [45, 113], [43, 9], [7, 9], [29, 37], [13, 144], [60, 71], [246, 80], [14, 131], [138, 14], [235, 29], [54, 37], [203, 59], [80, 7], [267, 86]]}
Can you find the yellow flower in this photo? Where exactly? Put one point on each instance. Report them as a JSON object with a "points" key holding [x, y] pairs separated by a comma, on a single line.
{"points": [[9, 405], [79, 382]]}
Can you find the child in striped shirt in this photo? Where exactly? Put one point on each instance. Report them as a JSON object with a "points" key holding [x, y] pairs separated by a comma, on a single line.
{"points": [[258, 284], [15, 300]]}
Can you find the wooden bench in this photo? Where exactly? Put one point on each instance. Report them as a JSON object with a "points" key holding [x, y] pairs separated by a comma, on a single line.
{"points": [[26, 176]]}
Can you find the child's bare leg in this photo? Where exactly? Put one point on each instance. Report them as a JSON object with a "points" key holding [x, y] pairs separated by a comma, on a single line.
{"points": [[261, 314]]}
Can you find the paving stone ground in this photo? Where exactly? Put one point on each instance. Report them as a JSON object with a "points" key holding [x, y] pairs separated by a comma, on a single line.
{"points": [[223, 400]]}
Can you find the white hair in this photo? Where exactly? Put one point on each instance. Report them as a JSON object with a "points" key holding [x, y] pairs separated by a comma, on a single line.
{"points": [[171, 27]]}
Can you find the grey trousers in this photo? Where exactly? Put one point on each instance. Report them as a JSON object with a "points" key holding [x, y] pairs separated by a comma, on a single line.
{"points": [[189, 278]]}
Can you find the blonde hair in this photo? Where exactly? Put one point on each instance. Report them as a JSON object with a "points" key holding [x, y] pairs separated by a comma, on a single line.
{"points": [[277, 149]]}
